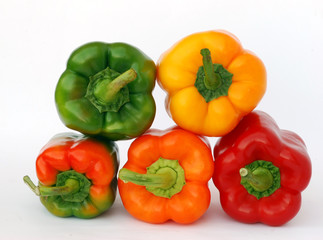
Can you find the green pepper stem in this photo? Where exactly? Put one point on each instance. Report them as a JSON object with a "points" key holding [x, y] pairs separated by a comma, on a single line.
{"points": [[211, 80], [32, 186], [106, 91], [163, 180], [71, 186], [260, 179]]}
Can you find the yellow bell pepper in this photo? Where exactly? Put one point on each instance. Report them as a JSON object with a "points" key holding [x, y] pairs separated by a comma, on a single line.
{"points": [[212, 82]]}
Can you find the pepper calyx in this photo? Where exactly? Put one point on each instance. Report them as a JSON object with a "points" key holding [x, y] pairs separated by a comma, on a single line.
{"points": [[83, 189], [164, 178], [212, 80], [260, 178], [108, 91], [70, 185]]}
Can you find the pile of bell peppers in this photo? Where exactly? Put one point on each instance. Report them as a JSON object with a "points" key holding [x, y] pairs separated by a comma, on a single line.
{"points": [[213, 86]]}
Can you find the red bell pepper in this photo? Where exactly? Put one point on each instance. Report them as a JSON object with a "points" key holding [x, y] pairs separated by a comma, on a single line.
{"points": [[77, 175], [260, 171]]}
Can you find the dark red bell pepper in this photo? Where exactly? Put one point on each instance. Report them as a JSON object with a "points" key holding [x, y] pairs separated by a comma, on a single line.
{"points": [[260, 171]]}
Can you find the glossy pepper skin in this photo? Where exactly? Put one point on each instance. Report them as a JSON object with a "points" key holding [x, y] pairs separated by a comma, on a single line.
{"points": [[257, 137], [77, 175], [211, 81], [88, 102], [150, 189]]}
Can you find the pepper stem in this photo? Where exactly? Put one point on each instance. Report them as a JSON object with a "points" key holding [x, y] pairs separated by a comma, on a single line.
{"points": [[260, 179], [161, 180], [211, 79], [106, 91], [32, 186], [164, 178], [71, 186]]}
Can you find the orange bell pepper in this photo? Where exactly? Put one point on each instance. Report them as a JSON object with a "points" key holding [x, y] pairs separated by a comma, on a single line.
{"points": [[209, 94], [166, 177]]}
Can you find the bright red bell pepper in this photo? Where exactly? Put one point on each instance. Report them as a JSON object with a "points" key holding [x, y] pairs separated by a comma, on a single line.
{"points": [[260, 171], [77, 175]]}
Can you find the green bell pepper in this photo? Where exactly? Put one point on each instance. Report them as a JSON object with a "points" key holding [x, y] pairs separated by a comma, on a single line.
{"points": [[106, 90]]}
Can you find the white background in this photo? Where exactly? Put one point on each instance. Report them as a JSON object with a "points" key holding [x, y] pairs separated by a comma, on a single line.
{"points": [[36, 38]]}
